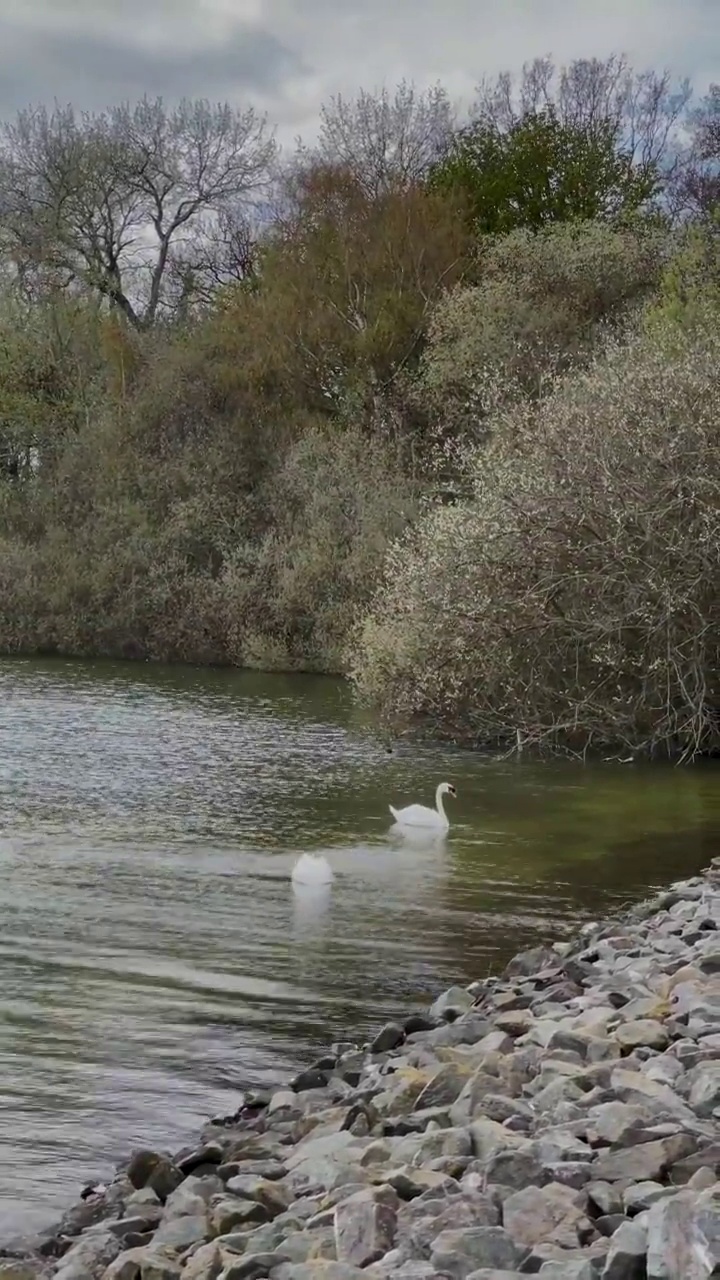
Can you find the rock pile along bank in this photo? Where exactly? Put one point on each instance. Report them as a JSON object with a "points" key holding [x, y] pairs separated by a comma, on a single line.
{"points": [[561, 1120]]}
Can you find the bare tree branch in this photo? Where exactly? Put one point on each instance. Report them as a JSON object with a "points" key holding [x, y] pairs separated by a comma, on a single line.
{"points": [[644, 106], [386, 141], [106, 197]]}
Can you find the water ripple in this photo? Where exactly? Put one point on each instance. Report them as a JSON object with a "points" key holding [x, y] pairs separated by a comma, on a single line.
{"points": [[154, 956]]}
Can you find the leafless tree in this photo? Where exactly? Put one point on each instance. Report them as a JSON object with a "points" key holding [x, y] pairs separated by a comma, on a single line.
{"points": [[109, 199], [697, 186], [221, 252], [645, 106], [386, 140]]}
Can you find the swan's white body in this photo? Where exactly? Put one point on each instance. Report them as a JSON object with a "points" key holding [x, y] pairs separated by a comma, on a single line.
{"points": [[312, 869], [420, 815]]}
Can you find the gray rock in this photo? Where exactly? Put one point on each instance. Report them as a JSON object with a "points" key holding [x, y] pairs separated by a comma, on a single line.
{"points": [[302, 1271], [636, 1088], [127, 1265], [322, 1161], [538, 1214], [228, 1214], [418, 1149], [529, 963], [703, 1178], [609, 1223], [205, 1263], [495, 1042], [470, 1101], [256, 1266], [311, 1078], [423, 1219], [156, 1267], [626, 1255], [613, 1122], [579, 1268], [468, 1029], [454, 1001], [151, 1169], [457, 1253], [570, 1173], [496, 1106], [272, 1196], [393, 1268], [644, 1031], [487, 1137], [684, 1236], [705, 1088], [487, 1273], [605, 1197], [516, 1168], [88, 1259], [365, 1226], [387, 1038], [706, 1156], [444, 1087], [646, 1162], [640, 1195], [131, 1225], [192, 1196], [561, 1143], [283, 1100], [313, 1243], [179, 1233], [410, 1182]]}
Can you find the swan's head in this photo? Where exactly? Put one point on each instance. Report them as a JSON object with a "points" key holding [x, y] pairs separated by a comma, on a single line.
{"points": [[447, 789]]}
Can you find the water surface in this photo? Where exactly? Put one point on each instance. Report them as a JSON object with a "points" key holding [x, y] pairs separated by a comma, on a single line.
{"points": [[154, 958]]}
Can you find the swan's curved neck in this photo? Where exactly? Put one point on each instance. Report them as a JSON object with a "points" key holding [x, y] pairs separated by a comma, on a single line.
{"points": [[439, 801]]}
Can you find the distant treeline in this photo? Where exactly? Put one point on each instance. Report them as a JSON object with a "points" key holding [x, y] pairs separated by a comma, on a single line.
{"points": [[433, 403]]}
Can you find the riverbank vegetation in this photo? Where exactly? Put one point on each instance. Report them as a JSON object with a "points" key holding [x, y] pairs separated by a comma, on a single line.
{"points": [[433, 402]]}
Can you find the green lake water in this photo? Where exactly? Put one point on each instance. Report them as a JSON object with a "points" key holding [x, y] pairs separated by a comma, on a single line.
{"points": [[155, 958]]}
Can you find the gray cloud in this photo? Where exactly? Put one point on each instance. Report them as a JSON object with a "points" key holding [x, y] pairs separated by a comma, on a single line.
{"points": [[96, 64], [288, 56]]}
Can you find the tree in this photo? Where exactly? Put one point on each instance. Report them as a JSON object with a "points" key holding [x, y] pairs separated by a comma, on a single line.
{"points": [[223, 252], [540, 171], [347, 286], [108, 199], [697, 188], [386, 141], [645, 108]]}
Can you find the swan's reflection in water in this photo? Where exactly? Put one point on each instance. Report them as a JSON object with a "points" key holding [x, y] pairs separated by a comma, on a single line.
{"points": [[311, 904], [421, 838]]}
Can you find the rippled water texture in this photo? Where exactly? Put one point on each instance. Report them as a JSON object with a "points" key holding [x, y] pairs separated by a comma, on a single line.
{"points": [[154, 957]]}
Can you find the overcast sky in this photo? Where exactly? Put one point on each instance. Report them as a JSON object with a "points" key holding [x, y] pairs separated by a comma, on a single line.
{"points": [[287, 56]]}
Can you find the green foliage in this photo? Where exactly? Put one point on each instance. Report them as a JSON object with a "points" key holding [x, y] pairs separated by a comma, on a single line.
{"points": [[540, 171], [541, 303], [220, 459], [199, 521], [689, 293]]}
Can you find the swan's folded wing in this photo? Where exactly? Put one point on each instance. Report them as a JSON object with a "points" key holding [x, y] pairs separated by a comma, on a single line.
{"points": [[417, 815]]}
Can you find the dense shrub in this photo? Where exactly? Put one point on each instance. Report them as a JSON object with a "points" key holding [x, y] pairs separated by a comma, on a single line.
{"points": [[537, 309], [573, 600]]}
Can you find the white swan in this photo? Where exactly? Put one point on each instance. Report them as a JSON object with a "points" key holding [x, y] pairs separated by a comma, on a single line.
{"points": [[310, 868], [419, 815]]}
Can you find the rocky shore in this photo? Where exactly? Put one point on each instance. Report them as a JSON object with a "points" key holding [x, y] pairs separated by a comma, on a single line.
{"points": [[562, 1120]]}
